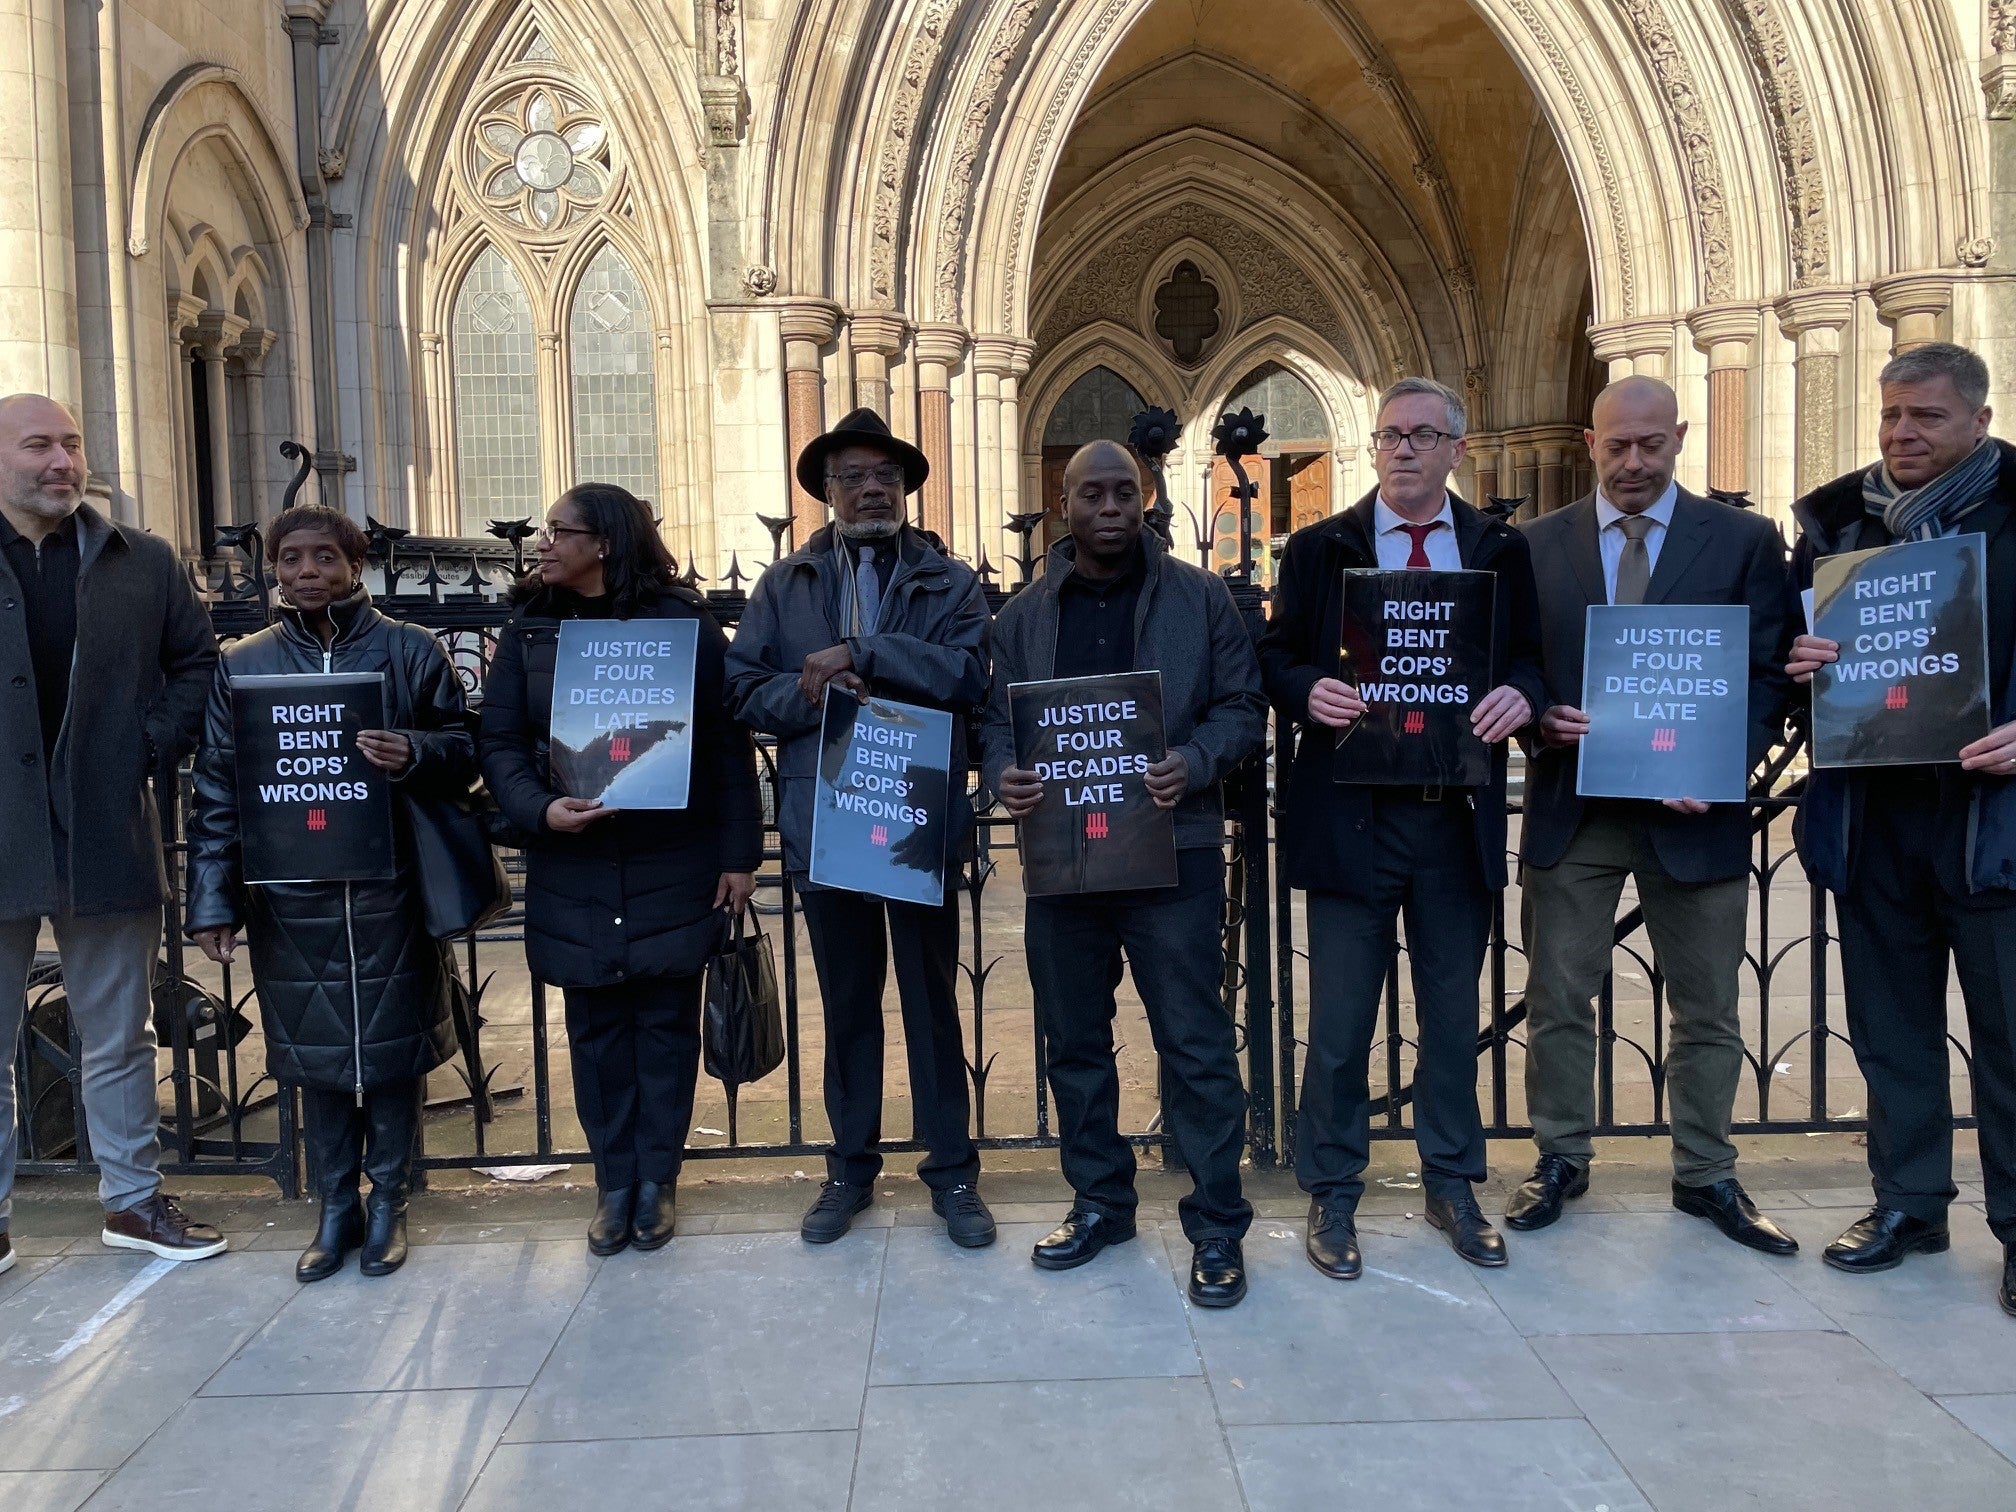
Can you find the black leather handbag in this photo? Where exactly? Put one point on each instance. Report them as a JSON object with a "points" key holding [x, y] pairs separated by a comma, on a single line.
{"points": [[463, 884], [743, 1031]]}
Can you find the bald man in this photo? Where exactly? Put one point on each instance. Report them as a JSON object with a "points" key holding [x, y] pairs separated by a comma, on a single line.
{"points": [[105, 662], [1112, 599], [1641, 539]]}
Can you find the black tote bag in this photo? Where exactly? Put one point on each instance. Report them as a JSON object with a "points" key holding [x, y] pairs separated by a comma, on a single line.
{"points": [[743, 1033]]}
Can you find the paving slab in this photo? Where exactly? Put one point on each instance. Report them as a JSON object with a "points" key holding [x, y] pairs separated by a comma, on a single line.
{"points": [[1416, 1337], [103, 1349], [1992, 1417], [989, 1315], [1934, 1319], [47, 1490], [24, 1270], [452, 1316], [747, 1472], [755, 1333], [1534, 1466], [417, 1451], [1011, 1446], [1644, 1273], [1792, 1419]]}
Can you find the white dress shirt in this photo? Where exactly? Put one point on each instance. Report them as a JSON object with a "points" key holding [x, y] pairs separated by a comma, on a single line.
{"points": [[1610, 538], [1395, 545]]}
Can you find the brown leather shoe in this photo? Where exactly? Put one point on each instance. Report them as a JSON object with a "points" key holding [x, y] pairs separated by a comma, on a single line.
{"points": [[6, 1253], [159, 1227]]}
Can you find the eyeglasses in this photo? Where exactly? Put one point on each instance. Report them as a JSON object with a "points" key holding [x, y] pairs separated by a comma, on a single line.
{"points": [[888, 475], [1422, 438], [550, 532]]}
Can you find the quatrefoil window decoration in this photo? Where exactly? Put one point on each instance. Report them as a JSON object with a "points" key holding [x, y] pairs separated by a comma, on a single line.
{"points": [[541, 158]]}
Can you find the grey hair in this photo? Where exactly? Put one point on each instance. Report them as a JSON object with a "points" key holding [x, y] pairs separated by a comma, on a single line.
{"points": [[1459, 418], [1941, 359]]}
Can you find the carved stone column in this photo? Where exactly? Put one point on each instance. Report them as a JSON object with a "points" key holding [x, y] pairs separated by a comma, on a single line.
{"points": [[251, 352], [875, 337], [939, 348], [1484, 455], [217, 334], [1634, 346], [1727, 334], [806, 326], [1549, 470], [995, 361], [1912, 307], [39, 349], [1814, 320]]}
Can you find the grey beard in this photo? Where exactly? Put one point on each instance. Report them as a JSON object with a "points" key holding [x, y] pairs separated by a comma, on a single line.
{"points": [[40, 506], [870, 530]]}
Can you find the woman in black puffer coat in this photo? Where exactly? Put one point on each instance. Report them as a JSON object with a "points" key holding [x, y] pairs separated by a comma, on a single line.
{"points": [[355, 995], [622, 909]]}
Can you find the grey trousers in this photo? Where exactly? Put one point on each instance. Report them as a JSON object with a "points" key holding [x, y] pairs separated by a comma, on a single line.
{"points": [[1697, 931], [108, 976]]}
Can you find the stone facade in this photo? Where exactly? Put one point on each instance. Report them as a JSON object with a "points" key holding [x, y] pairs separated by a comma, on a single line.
{"points": [[468, 253]]}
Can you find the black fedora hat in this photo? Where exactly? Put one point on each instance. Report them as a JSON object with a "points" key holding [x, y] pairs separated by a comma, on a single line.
{"points": [[862, 428]]}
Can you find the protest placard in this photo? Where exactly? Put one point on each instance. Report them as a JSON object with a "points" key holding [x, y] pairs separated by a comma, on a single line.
{"points": [[310, 807], [881, 805], [1667, 691], [622, 725], [1417, 646], [1091, 740]]}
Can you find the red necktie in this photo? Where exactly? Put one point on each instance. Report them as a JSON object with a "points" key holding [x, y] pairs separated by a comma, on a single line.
{"points": [[1417, 559]]}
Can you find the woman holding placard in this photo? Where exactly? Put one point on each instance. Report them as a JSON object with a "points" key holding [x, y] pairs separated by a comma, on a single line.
{"points": [[622, 913], [355, 994]]}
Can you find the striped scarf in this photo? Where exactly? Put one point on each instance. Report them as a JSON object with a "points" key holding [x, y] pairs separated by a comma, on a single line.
{"points": [[1933, 509]]}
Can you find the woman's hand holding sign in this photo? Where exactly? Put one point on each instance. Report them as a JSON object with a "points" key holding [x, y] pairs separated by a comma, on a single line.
{"points": [[1334, 703], [1021, 791], [387, 750], [1503, 711], [1809, 654], [570, 816]]}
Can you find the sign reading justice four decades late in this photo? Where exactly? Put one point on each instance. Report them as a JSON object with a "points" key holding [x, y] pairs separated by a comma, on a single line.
{"points": [[310, 807], [1417, 646], [1911, 685], [1092, 740], [1667, 691], [882, 805], [622, 726]]}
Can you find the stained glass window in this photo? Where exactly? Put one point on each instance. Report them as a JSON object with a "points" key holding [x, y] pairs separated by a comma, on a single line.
{"points": [[1099, 406], [1293, 412], [496, 396], [615, 400]]}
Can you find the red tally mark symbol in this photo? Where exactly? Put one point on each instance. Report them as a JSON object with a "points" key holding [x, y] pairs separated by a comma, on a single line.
{"points": [[879, 835], [318, 820], [1665, 740], [1897, 696], [1095, 827], [619, 748], [1416, 722]]}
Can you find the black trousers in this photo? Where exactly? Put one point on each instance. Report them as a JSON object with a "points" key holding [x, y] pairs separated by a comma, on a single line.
{"points": [[344, 1141], [1901, 920], [1173, 943], [635, 1049], [854, 937], [1420, 862]]}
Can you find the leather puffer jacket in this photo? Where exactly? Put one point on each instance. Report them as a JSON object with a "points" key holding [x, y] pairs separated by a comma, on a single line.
{"points": [[353, 991]]}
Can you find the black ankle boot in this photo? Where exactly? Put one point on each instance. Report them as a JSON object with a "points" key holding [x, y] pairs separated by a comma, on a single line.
{"points": [[341, 1231], [609, 1229], [385, 1232]]}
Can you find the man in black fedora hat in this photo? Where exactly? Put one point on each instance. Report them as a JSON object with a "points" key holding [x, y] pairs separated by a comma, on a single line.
{"points": [[873, 605]]}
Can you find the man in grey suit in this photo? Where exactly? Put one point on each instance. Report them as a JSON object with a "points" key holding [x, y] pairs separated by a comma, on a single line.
{"points": [[1640, 539]]}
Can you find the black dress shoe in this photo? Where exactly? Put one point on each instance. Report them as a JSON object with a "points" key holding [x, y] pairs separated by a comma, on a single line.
{"points": [[341, 1231], [1080, 1237], [651, 1217], [1217, 1273], [2006, 1296], [968, 1224], [1725, 1204], [832, 1211], [1879, 1241], [1537, 1203], [1470, 1233], [1332, 1245], [609, 1229], [384, 1247]]}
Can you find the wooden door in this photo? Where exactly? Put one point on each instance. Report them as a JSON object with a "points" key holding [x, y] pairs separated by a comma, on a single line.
{"points": [[1225, 511], [1308, 490]]}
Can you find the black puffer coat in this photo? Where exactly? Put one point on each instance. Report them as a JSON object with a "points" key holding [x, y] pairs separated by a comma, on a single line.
{"points": [[632, 895], [353, 990]]}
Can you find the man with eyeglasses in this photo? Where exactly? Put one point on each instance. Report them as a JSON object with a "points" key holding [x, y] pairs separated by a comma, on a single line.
{"points": [[874, 606], [1367, 855]]}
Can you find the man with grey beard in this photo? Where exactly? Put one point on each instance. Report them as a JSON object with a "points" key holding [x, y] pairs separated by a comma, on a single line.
{"points": [[877, 607], [105, 661]]}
